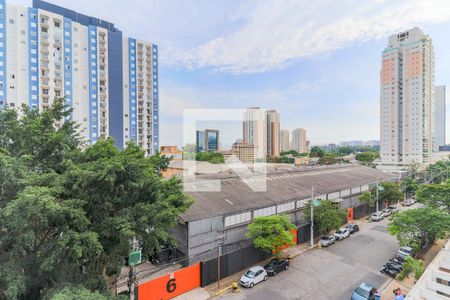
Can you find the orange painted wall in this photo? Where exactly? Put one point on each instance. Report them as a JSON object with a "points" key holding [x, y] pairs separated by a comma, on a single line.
{"points": [[294, 234], [349, 214], [171, 285]]}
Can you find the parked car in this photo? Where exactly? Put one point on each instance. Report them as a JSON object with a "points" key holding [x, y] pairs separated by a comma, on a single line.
{"points": [[253, 276], [386, 213], [404, 252], [394, 266], [327, 240], [393, 208], [409, 202], [352, 228], [365, 291], [276, 265], [342, 234], [377, 216], [389, 271]]}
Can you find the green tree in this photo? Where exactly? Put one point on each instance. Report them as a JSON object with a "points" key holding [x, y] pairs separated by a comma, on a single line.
{"points": [[369, 198], [345, 150], [366, 157], [435, 195], [212, 157], [389, 192], [271, 233], [328, 159], [317, 151], [409, 186], [44, 241], [412, 265], [78, 293], [419, 227], [326, 216], [67, 213]]}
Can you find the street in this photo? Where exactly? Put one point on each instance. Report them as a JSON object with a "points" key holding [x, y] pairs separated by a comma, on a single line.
{"points": [[330, 273]]}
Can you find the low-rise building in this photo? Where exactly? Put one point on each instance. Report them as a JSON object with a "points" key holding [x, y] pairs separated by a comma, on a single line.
{"points": [[221, 218], [171, 151], [245, 152]]}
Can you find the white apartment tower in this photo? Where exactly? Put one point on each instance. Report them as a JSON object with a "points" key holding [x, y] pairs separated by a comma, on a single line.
{"points": [[407, 99], [299, 140], [110, 81], [284, 140]]}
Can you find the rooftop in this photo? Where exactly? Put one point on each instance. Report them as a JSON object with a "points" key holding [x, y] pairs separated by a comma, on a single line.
{"points": [[283, 185]]}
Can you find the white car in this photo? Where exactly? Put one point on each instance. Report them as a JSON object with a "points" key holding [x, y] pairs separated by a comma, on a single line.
{"points": [[386, 212], [253, 276], [377, 216], [393, 209], [342, 234], [403, 252]]}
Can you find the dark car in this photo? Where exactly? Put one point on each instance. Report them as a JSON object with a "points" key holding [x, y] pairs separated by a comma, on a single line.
{"points": [[352, 228], [276, 265], [394, 266], [390, 272]]}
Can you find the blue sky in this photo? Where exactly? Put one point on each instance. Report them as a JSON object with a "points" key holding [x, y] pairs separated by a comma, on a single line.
{"points": [[316, 62]]}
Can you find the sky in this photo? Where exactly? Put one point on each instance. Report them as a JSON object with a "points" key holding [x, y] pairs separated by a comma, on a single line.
{"points": [[316, 62]]}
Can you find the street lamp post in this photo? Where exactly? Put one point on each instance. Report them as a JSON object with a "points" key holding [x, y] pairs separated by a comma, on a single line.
{"points": [[312, 216]]}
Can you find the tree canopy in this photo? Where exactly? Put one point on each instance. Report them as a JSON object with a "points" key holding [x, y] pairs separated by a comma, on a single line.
{"points": [[326, 216], [271, 233], [317, 151], [69, 211], [435, 195], [389, 192], [212, 157], [366, 157], [419, 227]]}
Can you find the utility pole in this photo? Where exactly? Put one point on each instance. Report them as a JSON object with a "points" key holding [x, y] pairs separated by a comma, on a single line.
{"points": [[312, 216], [132, 282], [377, 194]]}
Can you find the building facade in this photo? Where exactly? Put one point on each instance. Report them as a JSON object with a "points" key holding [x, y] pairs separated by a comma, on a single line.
{"points": [[407, 97], [273, 133], [284, 140], [207, 140], [255, 130], [245, 152], [435, 281], [109, 80], [299, 140], [440, 119]]}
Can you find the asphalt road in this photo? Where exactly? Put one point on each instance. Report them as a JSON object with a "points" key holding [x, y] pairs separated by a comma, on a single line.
{"points": [[330, 273]]}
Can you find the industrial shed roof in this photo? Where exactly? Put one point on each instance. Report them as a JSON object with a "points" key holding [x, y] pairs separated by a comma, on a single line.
{"points": [[283, 185]]}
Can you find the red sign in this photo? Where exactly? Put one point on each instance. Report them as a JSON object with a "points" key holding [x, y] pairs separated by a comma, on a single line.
{"points": [[171, 285], [349, 214]]}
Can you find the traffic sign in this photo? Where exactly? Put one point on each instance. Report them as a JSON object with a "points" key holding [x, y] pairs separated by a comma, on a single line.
{"points": [[135, 257], [316, 202]]}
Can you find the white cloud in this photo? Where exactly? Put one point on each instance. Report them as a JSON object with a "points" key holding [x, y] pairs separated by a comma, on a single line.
{"points": [[270, 34]]}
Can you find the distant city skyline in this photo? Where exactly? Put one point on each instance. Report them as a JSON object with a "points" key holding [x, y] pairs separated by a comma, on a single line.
{"points": [[226, 55]]}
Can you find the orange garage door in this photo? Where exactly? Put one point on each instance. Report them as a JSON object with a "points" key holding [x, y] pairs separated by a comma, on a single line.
{"points": [[172, 285]]}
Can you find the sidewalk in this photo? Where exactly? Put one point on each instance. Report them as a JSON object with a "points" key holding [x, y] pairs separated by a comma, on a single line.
{"points": [[427, 255]]}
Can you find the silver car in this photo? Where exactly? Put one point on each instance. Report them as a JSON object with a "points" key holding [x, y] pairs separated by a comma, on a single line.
{"points": [[253, 276], [327, 240], [377, 216]]}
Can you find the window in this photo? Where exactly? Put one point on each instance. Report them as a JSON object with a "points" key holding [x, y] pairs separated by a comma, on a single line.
{"points": [[268, 211], [11, 21]]}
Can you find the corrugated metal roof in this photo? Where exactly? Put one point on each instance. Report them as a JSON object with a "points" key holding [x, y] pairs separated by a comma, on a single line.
{"points": [[283, 185]]}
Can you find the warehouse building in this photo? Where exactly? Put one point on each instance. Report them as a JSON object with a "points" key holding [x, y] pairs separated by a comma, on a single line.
{"points": [[219, 219]]}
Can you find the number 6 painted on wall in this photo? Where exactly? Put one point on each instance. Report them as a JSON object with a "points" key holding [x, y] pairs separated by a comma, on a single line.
{"points": [[171, 285]]}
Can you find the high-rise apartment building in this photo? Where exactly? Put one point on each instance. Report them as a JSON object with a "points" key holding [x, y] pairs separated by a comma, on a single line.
{"points": [[207, 140], [407, 99], [299, 140], [110, 81], [440, 110], [284, 140], [255, 131], [273, 133]]}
